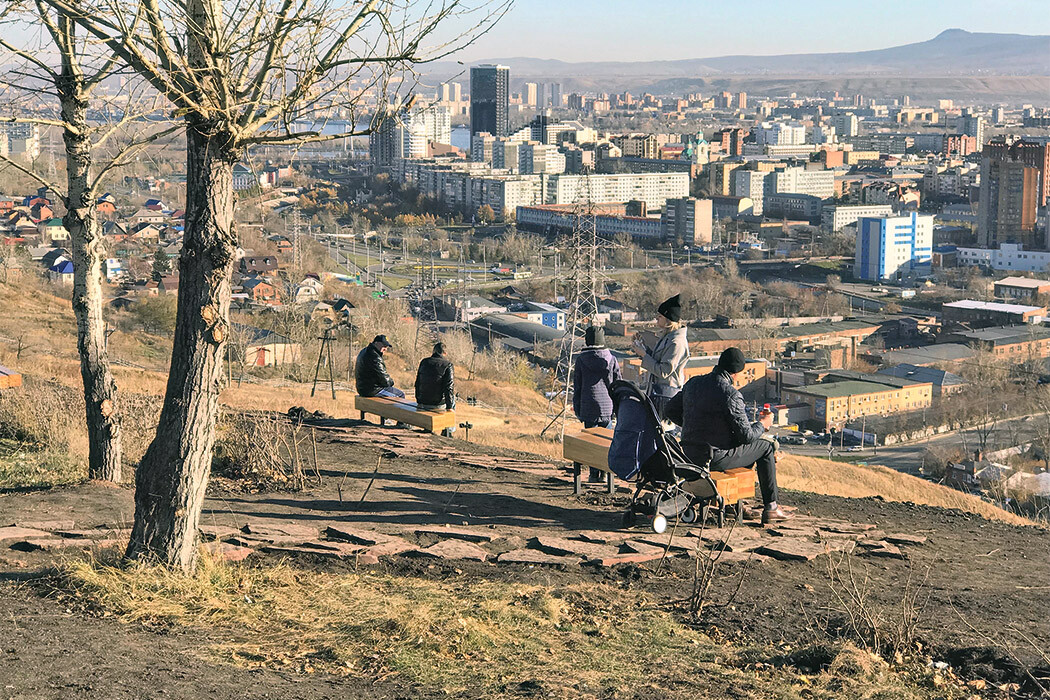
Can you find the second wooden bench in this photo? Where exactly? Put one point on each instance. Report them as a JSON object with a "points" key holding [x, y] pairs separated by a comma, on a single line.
{"points": [[405, 411]]}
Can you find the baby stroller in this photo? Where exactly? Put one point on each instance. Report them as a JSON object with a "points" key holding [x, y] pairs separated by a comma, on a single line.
{"points": [[642, 451]]}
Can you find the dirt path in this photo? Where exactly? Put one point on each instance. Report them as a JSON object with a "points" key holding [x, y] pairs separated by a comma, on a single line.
{"points": [[985, 575]]}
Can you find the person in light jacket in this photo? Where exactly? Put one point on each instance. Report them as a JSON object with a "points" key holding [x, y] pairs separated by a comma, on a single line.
{"points": [[665, 359]]}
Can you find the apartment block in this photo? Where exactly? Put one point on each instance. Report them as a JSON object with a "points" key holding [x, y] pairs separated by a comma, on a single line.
{"points": [[893, 247]]}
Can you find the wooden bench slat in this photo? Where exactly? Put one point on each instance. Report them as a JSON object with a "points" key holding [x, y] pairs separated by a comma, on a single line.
{"points": [[405, 411]]}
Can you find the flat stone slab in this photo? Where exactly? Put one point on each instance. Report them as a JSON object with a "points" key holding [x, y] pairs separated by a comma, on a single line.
{"points": [[795, 549], [627, 558], [47, 524], [455, 549], [51, 544], [533, 556], [886, 550], [279, 529], [227, 551], [560, 546], [259, 540], [395, 545], [22, 533], [678, 544], [728, 557], [470, 534], [357, 535], [217, 532], [598, 537], [904, 538], [845, 527], [97, 533], [343, 548]]}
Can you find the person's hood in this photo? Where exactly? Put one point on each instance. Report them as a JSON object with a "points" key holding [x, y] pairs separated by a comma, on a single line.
{"points": [[594, 358]]}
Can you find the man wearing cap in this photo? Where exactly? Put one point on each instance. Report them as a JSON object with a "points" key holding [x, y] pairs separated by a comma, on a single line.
{"points": [[711, 413], [370, 371], [665, 359]]}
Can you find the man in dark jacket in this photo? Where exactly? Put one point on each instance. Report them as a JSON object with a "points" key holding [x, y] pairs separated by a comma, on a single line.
{"points": [[435, 384], [595, 371], [370, 371], [711, 413]]}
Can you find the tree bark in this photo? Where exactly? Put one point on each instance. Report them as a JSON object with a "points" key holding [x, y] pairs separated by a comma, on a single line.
{"points": [[81, 220], [173, 475]]}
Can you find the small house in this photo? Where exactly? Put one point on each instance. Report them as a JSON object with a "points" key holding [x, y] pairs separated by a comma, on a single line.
{"points": [[263, 348], [61, 273], [262, 292], [258, 264], [106, 206]]}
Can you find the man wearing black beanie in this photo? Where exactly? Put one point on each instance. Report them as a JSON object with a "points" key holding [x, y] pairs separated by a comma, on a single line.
{"points": [[711, 413]]}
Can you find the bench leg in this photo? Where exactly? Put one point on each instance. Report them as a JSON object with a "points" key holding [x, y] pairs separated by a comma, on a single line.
{"points": [[739, 512], [362, 415], [609, 482], [576, 485]]}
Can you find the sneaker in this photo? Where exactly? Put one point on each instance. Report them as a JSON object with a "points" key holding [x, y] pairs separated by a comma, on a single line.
{"points": [[774, 516]]}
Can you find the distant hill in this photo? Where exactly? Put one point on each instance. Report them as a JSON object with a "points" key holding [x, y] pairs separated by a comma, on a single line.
{"points": [[954, 53]]}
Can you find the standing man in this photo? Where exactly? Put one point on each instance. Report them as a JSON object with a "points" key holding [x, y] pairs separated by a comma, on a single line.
{"points": [[711, 413], [435, 383], [370, 373], [665, 359], [594, 372]]}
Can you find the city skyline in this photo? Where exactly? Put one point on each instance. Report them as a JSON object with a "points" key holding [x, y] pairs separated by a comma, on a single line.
{"points": [[626, 31]]}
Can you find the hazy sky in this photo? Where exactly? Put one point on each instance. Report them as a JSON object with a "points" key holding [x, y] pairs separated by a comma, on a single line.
{"points": [[575, 30]]}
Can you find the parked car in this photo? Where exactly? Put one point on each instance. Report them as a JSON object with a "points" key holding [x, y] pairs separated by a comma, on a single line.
{"points": [[854, 448]]}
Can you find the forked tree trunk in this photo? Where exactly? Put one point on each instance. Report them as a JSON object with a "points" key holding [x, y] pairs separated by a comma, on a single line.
{"points": [[172, 477], [81, 220]]}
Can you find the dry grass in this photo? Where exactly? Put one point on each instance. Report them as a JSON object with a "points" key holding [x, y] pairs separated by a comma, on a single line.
{"points": [[855, 481], [474, 637]]}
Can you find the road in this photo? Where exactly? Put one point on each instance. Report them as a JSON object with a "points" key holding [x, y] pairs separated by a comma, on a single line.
{"points": [[909, 457]]}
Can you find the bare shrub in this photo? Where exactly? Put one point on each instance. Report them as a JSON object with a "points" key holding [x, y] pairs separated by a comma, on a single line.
{"points": [[261, 450], [43, 414]]}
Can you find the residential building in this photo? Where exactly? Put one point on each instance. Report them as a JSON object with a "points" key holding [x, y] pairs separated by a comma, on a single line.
{"points": [[264, 348], [1021, 288], [23, 141], [833, 404], [1009, 200], [536, 158], [489, 100], [638, 145], [531, 95], [464, 309], [982, 314], [687, 221], [835, 217], [780, 134], [243, 179], [845, 124], [1033, 151], [1015, 343], [893, 247], [609, 220], [793, 206], [410, 134], [652, 188], [731, 141], [944, 383], [754, 185], [554, 94], [53, 231]]}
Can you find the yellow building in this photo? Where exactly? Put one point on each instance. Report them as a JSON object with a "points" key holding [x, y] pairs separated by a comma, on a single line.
{"points": [[834, 404]]}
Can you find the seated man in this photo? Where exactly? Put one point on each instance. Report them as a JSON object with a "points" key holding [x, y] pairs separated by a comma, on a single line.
{"points": [[435, 383], [711, 413], [370, 372]]}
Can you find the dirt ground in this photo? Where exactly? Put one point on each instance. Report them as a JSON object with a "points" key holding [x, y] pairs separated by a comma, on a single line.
{"points": [[984, 579]]}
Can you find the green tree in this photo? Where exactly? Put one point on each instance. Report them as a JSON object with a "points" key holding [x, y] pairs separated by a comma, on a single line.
{"points": [[161, 264]]}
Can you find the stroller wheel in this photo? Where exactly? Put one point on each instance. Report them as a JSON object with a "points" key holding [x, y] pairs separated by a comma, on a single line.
{"points": [[659, 524], [630, 519], [688, 515]]}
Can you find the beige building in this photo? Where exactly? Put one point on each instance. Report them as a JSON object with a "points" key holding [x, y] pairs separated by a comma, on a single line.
{"points": [[833, 404]]}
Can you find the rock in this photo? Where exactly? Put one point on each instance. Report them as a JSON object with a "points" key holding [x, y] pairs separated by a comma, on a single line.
{"points": [[455, 549], [256, 541], [728, 557], [641, 546], [93, 534], [470, 534], [357, 535], [22, 533], [226, 551], [341, 548], [885, 549], [217, 532], [678, 544], [559, 546], [278, 530], [902, 538], [395, 545], [794, 549], [366, 559], [296, 550], [598, 537], [50, 544], [846, 528], [532, 556], [47, 524], [628, 558], [793, 531]]}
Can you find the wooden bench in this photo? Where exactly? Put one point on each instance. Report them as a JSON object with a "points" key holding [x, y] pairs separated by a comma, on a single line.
{"points": [[405, 411], [590, 447]]}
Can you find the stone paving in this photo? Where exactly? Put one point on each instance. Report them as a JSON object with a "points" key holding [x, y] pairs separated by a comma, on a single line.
{"points": [[800, 539]]}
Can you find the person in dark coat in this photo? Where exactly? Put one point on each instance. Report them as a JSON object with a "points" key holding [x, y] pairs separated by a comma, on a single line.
{"points": [[370, 373], [435, 383], [711, 413], [594, 372]]}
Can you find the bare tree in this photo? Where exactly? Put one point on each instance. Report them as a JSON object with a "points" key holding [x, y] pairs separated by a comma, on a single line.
{"points": [[242, 74], [73, 81]]}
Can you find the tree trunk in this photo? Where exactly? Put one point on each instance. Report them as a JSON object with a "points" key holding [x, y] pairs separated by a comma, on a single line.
{"points": [[173, 475], [81, 220]]}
